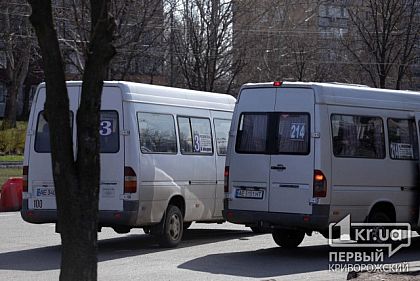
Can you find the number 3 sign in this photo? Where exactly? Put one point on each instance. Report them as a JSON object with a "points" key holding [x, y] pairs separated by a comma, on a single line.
{"points": [[105, 128]]}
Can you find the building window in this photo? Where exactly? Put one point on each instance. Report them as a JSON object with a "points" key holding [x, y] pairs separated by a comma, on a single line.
{"points": [[2, 93]]}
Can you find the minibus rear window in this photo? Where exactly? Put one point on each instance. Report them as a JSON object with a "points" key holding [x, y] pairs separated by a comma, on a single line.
{"points": [[293, 133], [42, 137], [252, 133], [109, 132]]}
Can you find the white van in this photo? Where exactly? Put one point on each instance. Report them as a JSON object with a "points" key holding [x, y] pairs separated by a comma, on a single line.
{"points": [[303, 155], [162, 158]]}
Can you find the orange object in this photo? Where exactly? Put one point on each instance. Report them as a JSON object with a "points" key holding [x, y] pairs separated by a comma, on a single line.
{"points": [[11, 195]]}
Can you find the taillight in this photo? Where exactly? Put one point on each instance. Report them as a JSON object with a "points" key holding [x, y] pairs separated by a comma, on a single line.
{"points": [[130, 180], [25, 179], [320, 184], [277, 84], [226, 186]]}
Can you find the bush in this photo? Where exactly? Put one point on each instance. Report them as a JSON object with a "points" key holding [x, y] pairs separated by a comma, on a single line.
{"points": [[12, 141]]}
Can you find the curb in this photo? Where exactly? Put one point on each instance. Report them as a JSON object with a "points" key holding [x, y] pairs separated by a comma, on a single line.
{"points": [[12, 164]]}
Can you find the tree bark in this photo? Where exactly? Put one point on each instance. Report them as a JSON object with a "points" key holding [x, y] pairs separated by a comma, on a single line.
{"points": [[10, 110], [17, 50], [76, 180]]}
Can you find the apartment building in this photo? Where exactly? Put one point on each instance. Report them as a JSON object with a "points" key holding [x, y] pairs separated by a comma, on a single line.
{"points": [[305, 40]]}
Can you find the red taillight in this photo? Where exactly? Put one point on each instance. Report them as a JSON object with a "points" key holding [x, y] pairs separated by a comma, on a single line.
{"points": [[320, 184], [226, 186], [25, 179], [277, 84], [130, 180]]}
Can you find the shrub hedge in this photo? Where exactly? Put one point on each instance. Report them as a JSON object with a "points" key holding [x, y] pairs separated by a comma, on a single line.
{"points": [[12, 141]]}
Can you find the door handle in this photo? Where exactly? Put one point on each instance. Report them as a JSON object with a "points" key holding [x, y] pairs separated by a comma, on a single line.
{"points": [[278, 167]]}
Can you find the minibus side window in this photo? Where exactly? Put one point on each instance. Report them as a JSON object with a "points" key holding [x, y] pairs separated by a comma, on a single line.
{"points": [[157, 133], [402, 135], [221, 130], [185, 140], [358, 136], [293, 133], [109, 132], [252, 133], [42, 137], [195, 135]]}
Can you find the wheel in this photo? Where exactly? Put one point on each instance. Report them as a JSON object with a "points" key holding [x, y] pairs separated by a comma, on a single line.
{"points": [[378, 217], [172, 228], [122, 229], [287, 238], [258, 229], [146, 230], [187, 225]]}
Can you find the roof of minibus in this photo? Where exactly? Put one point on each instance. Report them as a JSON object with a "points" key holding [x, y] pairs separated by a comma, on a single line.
{"points": [[139, 92], [352, 95]]}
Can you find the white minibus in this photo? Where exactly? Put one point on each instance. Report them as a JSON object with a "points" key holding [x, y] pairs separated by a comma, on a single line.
{"points": [[304, 155], [162, 158]]}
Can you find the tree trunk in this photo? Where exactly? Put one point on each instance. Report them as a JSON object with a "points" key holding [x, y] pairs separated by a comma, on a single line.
{"points": [[76, 181], [25, 103], [10, 111]]}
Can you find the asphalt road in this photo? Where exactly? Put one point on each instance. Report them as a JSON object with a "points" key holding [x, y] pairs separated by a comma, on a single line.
{"points": [[208, 252]]}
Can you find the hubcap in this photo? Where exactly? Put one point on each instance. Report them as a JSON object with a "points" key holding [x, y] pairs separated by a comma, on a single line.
{"points": [[174, 227]]}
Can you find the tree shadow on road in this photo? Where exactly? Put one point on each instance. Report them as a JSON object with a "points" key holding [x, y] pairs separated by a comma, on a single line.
{"points": [[271, 262], [48, 258]]}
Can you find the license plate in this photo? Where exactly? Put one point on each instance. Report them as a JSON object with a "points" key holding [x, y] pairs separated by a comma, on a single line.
{"points": [[249, 193], [45, 192]]}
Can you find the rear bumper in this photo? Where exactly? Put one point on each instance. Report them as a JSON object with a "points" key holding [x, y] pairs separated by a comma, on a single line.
{"points": [[127, 217], [317, 221]]}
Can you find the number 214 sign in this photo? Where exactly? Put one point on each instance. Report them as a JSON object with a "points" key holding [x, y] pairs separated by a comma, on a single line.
{"points": [[297, 131]]}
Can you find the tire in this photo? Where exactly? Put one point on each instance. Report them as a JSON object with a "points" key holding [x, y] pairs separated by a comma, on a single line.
{"points": [[378, 217], [172, 228], [187, 225], [146, 230], [287, 238], [258, 230]]}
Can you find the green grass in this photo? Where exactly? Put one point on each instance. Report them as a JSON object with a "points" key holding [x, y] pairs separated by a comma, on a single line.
{"points": [[9, 172], [11, 158]]}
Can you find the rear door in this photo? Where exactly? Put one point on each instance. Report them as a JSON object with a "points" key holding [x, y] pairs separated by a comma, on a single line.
{"points": [[417, 116], [249, 159], [292, 160], [40, 178], [221, 126], [112, 150]]}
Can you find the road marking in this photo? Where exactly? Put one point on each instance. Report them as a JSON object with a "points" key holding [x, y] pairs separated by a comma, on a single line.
{"points": [[6, 215]]}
